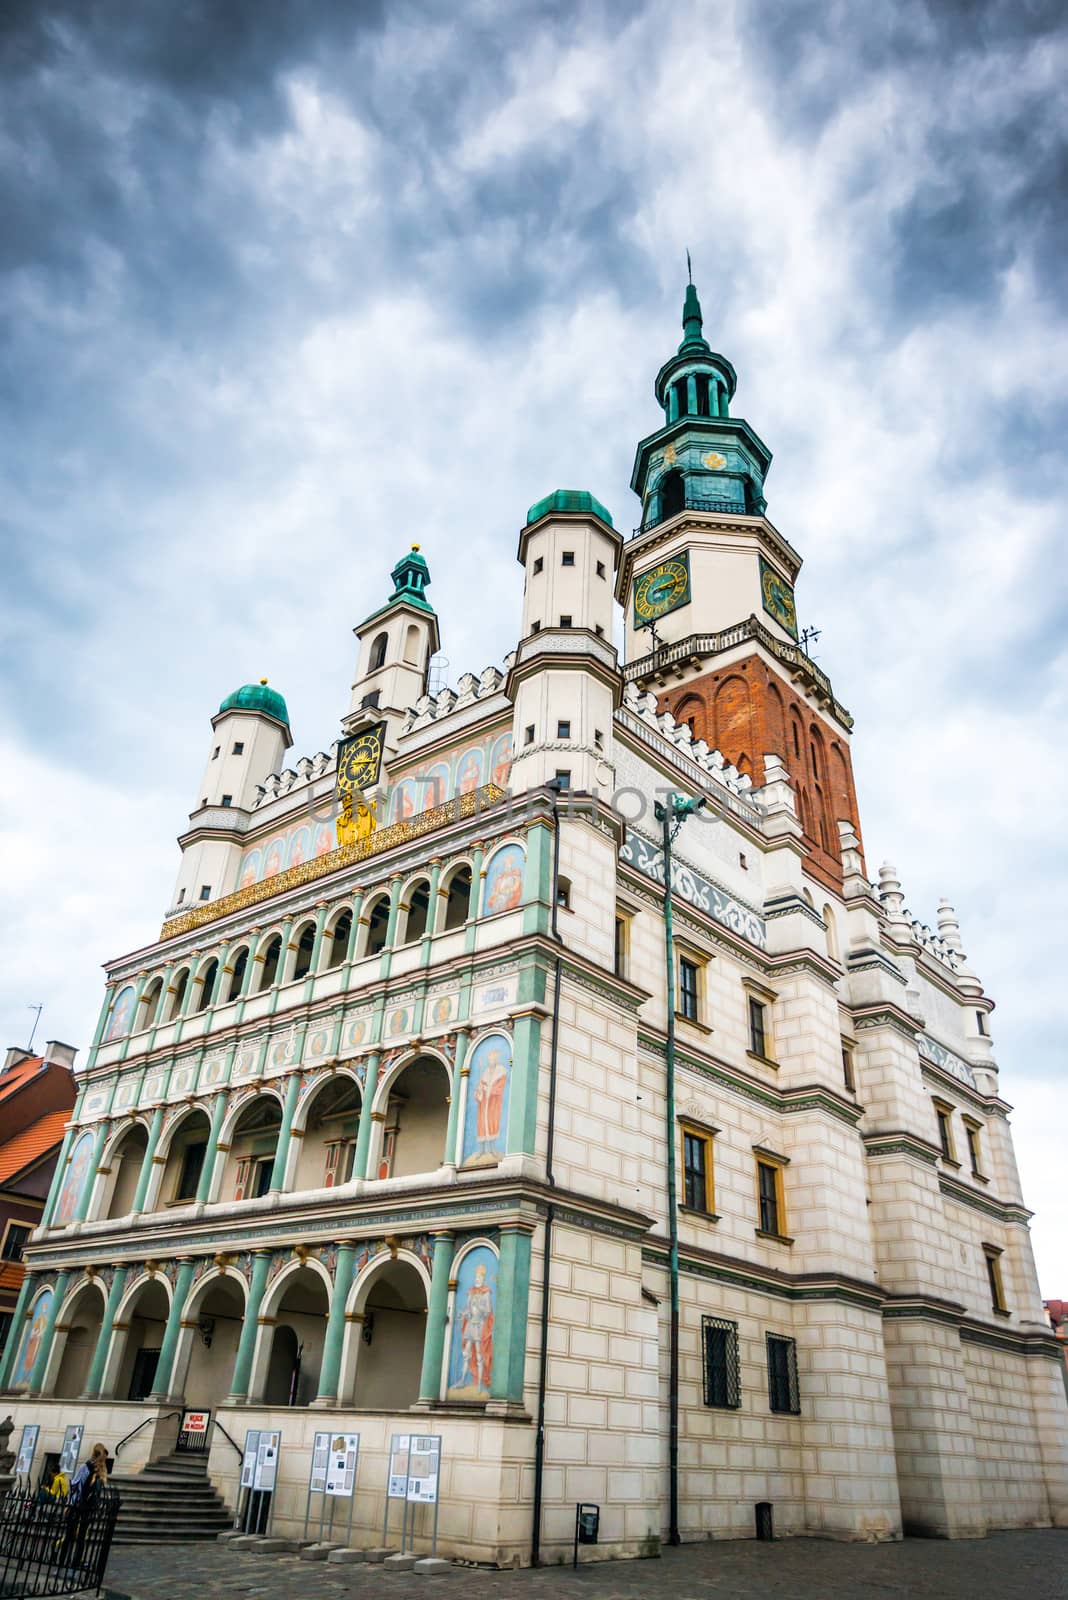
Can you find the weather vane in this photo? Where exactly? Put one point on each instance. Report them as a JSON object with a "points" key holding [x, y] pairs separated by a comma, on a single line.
{"points": [[809, 635]]}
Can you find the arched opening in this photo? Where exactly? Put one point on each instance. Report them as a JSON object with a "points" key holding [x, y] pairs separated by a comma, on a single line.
{"points": [[185, 1162], [207, 986], [127, 1159], [377, 926], [681, 396], [328, 1148], [411, 645], [82, 1322], [672, 494], [458, 898], [389, 1340], [378, 652], [146, 1319], [418, 911], [178, 990], [271, 957], [253, 1146], [832, 934], [338, 940], [305, 946], [702, 394], [296, 1347], [237, 976], [416, 1117], [204, 1364], [149, 1006]]}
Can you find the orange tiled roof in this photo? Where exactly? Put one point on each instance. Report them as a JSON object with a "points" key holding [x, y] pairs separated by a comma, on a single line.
{"points": [[16, 1078], [11, 1274], [31, 1144]]}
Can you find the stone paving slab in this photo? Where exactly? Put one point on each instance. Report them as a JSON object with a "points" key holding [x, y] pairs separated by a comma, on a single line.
{"points": [[1004, 1566]]}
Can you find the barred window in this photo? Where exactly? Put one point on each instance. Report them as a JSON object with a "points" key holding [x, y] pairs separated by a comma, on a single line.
{"points": [[782, 1374], [722, 1382]]}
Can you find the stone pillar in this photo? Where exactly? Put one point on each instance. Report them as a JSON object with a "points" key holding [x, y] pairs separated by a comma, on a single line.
{"points": [[95, 1379], [57, 1178], [691, 395], [98, 1035], [317, 948], [146, 1164], [538, 879], [261, 1263], [40, 1366], [431, 912], [161, 1386], [220, 984], [94, 1173], [281, 1154], [14, 1334], [330, 1369], [436, 1319], [363, 1132], [478, 882], [283, 962], [523, 1097], [252, 965], [218, 1112], [510, 1314], [354, 931], [459, 1083]]}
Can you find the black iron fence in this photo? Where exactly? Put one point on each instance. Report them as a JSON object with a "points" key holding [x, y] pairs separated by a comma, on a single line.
{"points": [[51, 1546]]}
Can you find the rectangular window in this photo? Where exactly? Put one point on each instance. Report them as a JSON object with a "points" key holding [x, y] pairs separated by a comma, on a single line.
{"points": [[15, 1242], [783, 1392], [563, 730], [697, 1170], [689, 978], [215, 753], [227, 799], [598, 739], [945, 1130], [565, 622], [535, 627], [192, 1167], [757, 1032], [6, 1319], [205, 891], [980, 1022], [528, 735], [600, 569], [563, 778], [568, 558], [769, 1194], [619, 963], [598, 630], [849, 1077], [971, 1131], [239, 748], [539, 562], [723, 1385], [992, 1256]]}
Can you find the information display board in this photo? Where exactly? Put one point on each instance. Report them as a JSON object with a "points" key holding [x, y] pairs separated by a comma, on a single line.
{"points": [[341, 1467], [399, 1447], [248, 1460], [320, 1457], [414, 1476], [31, 1432], [266, 1471], [424, 1466], [72, 1444]]}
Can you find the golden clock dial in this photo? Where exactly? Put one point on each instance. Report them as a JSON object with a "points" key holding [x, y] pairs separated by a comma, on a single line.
{"points": [[778, 597], [360, 760], [662, 589]]}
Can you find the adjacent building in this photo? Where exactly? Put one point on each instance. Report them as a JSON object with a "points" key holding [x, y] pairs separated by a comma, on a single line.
{"points": [[401, 1122]]}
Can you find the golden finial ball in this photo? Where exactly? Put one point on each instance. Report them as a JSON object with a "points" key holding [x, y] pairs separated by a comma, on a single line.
{"points": [[263, 681]]}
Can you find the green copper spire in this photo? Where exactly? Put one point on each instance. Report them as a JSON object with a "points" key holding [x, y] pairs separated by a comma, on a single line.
{"points": [[692, 338], [411, 576]]}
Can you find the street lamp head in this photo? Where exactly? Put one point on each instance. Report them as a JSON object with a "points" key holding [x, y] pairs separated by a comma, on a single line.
{"points": [[685, 807]]}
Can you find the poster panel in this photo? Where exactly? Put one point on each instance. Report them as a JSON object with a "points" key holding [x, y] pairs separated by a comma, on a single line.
{"points": [[341, 1467], [267, 1460], [424, 1467], [31, 1432], [397, 1488], [72, 1444], [319, 1459], [248, 1460]]}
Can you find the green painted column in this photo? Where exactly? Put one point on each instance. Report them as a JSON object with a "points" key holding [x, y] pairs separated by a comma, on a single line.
{"points": [[252, 965], [168, 976], [239, 1383], [317, 948], [354, 931], [330, 1371], [162, 1382], [220, 984], [431, 913], [523, 1090], [146, 1165], [283, 962], [102, 1020], [459, 1080], [673, 404], [538, 879], [281, 1154], [57, 1178], [363, 1132], [59, 1294], [218, 1112], [437, 1315], [90, 1185], [94, 1381], [510, 1313], [15, 1332], [691, 394]]}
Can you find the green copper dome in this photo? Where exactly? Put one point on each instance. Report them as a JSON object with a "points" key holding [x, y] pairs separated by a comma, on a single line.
{"points": [[257, 697], [573, 500]]}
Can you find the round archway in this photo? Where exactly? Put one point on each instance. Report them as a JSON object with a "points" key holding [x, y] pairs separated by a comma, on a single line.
{"points": [[328, 1148], [290, 1356], [388, 1342], [79, 1329], [211, 1332], [127, 1160], [416, 1107], [135, 1352]]}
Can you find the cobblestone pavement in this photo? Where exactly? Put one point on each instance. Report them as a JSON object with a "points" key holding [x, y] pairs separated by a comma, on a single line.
{"points": [[1004, 1566]]}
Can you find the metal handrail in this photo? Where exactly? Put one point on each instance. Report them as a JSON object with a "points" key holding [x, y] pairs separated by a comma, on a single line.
{"points": [[227, 1437], [144, 1424]]}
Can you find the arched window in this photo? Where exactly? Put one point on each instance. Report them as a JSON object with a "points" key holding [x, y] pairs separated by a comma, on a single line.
{"points": [[702, 394], [149, 1005], [832, 933], [339, 940], [238, 975], [378, 926], [563, 893], [207, 985], [680, 394], [672, 495], [178, 998], [305, 946], [271, 958], [378, 652], [418, 908], [458, 898], [411, 645]]}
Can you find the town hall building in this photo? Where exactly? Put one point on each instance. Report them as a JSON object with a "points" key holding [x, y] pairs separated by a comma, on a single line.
{"points": [[402, 1123]]}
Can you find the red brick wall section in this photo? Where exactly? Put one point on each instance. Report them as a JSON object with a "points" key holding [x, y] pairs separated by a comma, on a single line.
{"points": [[747, 711]]}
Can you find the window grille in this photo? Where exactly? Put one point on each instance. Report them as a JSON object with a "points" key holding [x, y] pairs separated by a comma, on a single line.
{"points": [[783, 1392], [722, 1379]]}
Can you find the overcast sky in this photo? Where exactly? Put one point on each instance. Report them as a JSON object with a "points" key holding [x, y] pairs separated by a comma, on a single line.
{"points": [[286, 286]]}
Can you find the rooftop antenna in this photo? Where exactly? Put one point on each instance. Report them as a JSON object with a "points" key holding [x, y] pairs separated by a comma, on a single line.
{"points": [[809, 635], [36, 1020]]}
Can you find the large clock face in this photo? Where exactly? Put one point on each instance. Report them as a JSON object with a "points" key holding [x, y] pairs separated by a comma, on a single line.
{"points": [[359, 760], [662, 589], [778, 597]]}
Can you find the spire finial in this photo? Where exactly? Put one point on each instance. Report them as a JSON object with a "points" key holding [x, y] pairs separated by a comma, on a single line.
{"points": [[689, 268]]}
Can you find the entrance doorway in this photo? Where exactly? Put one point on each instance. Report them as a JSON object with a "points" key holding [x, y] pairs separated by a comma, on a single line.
{"points": [[144, 1374]]}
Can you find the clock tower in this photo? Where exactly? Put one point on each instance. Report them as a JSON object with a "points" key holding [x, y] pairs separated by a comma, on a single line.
{"points": [[707, 586]]}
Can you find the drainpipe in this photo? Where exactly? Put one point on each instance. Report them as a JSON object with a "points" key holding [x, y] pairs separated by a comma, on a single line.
{"points": [[554, 787], [671, 817]]}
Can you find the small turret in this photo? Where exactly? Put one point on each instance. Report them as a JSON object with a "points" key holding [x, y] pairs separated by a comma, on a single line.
{"points": [[396, 644]]}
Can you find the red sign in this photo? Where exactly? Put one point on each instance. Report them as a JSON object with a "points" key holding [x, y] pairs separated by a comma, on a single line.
{"points": [[195, 1421]]}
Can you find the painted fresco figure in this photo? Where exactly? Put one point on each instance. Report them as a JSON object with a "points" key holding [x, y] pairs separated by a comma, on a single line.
{"points": [[476, 1330], [489, 1094]]}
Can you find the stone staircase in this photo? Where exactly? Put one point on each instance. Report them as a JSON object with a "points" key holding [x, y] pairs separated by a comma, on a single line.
{"points": [[171, 1500]]}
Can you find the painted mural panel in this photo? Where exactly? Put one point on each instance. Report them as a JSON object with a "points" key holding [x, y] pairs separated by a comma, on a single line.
{"points": [[77, 1175], [121, 1019], [486, 1115], [31, 1340], [471, 1356], [441, 1009], [504, 880]]}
